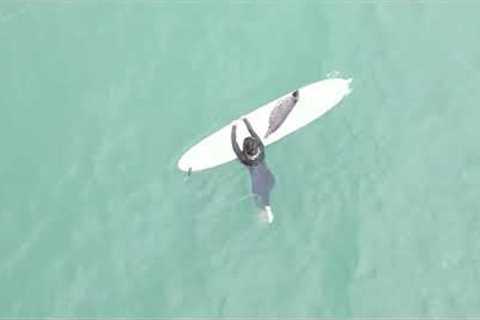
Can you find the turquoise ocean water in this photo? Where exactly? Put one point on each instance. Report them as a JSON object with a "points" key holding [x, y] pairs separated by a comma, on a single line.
{"points": [[377, 204]]}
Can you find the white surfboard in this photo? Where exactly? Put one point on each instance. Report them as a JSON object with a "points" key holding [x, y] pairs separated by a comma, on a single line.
{"points": [[313, 101]]}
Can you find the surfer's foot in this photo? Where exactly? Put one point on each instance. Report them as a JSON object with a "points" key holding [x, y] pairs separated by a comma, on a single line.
{"points": [[269, 214], [266, 215]]}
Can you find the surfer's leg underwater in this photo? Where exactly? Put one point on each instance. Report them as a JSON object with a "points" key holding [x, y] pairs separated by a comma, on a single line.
{"points": [[262, 184]]}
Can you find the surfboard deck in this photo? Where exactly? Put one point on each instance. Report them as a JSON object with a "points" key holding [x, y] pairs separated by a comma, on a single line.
{"points": [[314, 100]]}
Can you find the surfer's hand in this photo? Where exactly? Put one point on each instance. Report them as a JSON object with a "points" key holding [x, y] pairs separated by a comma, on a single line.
{"points": [[249, 126]]}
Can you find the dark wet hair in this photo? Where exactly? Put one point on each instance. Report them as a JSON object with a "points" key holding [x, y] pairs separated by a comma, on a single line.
{"points": [[250, 146]]}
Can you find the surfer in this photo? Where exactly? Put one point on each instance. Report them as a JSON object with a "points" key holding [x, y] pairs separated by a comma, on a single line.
{"points": [[253, 157]]}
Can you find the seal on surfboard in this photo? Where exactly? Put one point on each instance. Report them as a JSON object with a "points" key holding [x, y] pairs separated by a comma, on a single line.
{"points": [[281, 112]]}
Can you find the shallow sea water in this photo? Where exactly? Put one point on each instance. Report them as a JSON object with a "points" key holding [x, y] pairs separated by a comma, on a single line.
{"points": [[377, 209]]}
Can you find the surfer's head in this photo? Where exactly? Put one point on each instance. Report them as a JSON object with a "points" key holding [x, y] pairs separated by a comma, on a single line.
{"points": [[250, 147]]}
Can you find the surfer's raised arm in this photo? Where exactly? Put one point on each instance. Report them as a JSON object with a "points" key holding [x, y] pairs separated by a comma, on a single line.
{"points": [[254, 135], [235, 146], [250, 129]]}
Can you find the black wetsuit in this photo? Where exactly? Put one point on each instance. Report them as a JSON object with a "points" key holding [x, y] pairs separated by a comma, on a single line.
{"points": [[262, 178]]}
